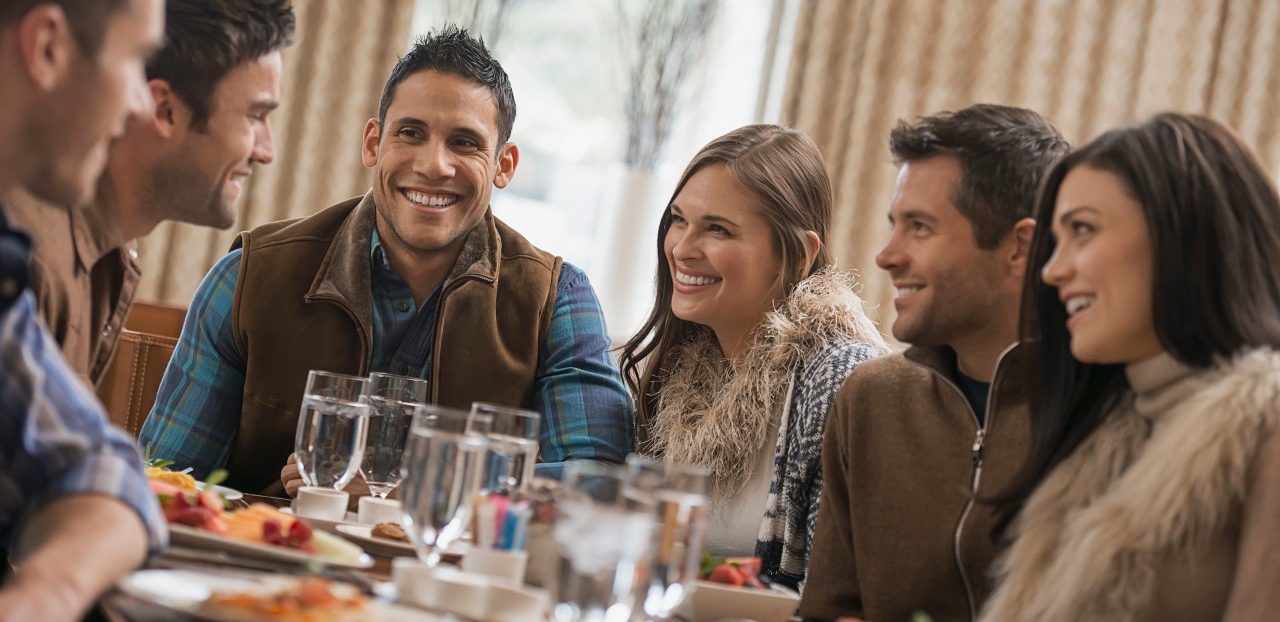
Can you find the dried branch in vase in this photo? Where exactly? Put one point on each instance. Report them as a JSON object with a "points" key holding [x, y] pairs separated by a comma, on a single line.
{"points": [[661, 43]]}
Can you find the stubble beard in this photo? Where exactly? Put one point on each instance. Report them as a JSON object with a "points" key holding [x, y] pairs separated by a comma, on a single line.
{"points": [[394, 229], [176, 195]]}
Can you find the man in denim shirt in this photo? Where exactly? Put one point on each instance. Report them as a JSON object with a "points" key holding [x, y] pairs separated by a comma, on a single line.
{"points": [[76, 512]]}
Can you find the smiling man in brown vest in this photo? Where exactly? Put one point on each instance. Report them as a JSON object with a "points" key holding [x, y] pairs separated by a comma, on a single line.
{"points": [[415, 278]]}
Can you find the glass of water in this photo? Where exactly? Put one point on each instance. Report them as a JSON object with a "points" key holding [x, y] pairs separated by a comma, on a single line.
{"points": [[442, 470], [680, 499], [513, 446], [331, 429], [392, 401], [603, 535]]}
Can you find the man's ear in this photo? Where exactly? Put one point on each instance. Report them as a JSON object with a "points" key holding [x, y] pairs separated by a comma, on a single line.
{"points": [[46, 46], [508, 158], [163, 118], [369, 149], [1023, 232]]}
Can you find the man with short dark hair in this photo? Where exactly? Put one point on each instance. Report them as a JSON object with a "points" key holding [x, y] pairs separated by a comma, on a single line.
{"points": [[76, 512], [214, 84], [416, 278], [915, 439]]}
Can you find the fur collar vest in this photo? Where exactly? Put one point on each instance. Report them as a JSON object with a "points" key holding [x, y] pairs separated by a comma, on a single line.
{"points": [[716, 413], [1144, 488]]}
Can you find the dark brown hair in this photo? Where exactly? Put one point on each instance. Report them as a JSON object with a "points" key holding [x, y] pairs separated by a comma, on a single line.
{"points": [[205, 39], [87, 19], [783, 169], [1003, 153], [1213, 218]]}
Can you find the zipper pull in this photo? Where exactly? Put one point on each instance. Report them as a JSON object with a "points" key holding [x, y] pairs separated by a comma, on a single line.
{"points": [[979, 443]]}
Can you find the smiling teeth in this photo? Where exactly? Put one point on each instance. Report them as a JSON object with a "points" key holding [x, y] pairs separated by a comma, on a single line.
{"points": [[430, 200], [689, 279], [907, 291], [1078, 304]]}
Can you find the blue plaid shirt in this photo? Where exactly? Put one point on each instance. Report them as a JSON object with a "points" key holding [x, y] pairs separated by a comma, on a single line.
{"points": [[585, 406], [55, 440]]}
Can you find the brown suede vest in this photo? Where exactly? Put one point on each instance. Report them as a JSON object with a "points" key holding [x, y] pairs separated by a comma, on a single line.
{"points": [[302, 303]]}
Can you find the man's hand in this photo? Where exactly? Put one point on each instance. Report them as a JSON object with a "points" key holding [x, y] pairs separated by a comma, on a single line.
{"points": [[69, 553], [292, 480], [290, 476], [24, 599]]}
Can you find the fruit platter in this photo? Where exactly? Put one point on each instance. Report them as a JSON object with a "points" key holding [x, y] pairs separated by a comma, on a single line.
{"points": [[200, 519]]}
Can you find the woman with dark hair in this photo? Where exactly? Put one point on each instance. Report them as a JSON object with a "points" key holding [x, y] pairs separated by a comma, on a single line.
{"points": [[751, 335], [1154, 422]]}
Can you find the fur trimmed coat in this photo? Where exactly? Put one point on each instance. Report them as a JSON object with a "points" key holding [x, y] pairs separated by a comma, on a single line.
{"points": [[718, 414], [1170, 510]]}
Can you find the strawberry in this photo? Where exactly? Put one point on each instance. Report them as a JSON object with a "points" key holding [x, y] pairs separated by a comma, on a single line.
{"points": [[271, 533], [749, 566], [300, 537], [727, 574], [192, 517]]}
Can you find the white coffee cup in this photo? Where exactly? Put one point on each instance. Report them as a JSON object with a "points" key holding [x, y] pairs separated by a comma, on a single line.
{"points": [[413, 580], [322, 503], [507, 603], [460, 593], [505, 566], [374, 510]]}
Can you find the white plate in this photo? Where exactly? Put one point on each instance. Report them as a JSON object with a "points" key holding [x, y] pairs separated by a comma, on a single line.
{"points": [[230, 494], [181, 534], [328, 525], [363, 535], [170, 594], [716, 601]]}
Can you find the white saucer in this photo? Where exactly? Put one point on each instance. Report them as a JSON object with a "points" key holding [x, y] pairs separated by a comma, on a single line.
{"points": [[327, 525]]}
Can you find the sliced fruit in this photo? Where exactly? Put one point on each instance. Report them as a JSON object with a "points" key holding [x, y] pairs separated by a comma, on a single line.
{"points": [[727, 574]]}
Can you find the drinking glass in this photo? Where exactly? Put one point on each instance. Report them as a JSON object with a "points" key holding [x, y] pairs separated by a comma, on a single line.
{"points": [[442, 470], [680, 496], [331, 429], [513, 446], [603, 534], [392, 402]]}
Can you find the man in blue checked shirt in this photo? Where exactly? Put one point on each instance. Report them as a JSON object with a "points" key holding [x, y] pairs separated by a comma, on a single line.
{"points": [[76, 512], [415, 278]]}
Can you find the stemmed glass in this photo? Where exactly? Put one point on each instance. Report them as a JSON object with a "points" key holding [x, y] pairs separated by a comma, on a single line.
{"points": [[442, 470], [513, 446], [680, 495], [331, 429], [392, 401], [603, 534]]}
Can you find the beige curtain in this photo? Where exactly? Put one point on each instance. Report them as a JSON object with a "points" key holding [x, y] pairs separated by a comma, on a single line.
{"points": [[332, 79], [1087, 65]]}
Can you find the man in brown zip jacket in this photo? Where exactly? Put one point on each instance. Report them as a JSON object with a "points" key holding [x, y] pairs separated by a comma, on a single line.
{"points": [[917, 439]]}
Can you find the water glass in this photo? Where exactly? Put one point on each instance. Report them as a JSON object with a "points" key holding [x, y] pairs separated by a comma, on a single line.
{"points": [[442, 468], [331, 429], [680, 496], [603, 534], [392, 401], [513, 446]]}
